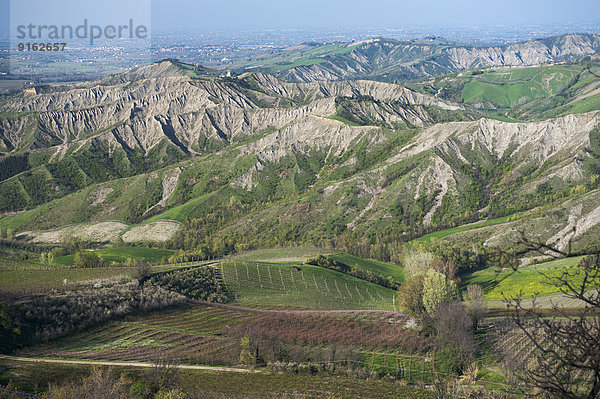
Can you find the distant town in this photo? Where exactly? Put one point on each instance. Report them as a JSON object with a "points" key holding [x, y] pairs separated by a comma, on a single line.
{"points": [[227, 49]]}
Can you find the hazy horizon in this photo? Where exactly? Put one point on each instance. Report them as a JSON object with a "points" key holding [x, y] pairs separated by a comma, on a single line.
{"points": [[239, 15], [313, 14]]}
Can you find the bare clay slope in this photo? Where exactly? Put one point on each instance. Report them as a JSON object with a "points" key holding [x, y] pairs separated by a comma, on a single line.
{"points": [[261, 159], [64, 139], [392, 60]]}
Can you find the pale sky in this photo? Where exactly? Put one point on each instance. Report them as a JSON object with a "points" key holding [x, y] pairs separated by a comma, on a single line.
{"points": [[202, 15], [281, 14]]}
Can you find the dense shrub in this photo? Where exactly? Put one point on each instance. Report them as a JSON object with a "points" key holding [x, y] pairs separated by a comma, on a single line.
{"points": [[47, 317], [72, 243], [88, 259], [410, 295], [592, 162], [100, 384], [12, 165], [9, 329], [200, 283], [455, 343], [12, 196]]}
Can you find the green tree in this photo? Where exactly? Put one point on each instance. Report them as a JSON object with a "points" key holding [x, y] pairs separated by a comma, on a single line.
{"points": [[437, 289], [417, 261], [142, 271], [410, 295], [7, 322], [73, 243], [475, 302], [247, 358], [87, 259], [47, 258]]}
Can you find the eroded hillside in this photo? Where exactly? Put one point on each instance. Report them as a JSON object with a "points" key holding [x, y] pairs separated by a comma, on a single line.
{"points": [[256, 159]]}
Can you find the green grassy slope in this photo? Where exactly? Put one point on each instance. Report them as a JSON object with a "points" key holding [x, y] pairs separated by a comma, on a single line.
{"points": [[273, 285], [377, 267], [521, 93], [183, 212], [129, 198], [447, 232], [506, 88], [33, 279], [121, 254], [305, 56], [281, 255], [531, 280]]}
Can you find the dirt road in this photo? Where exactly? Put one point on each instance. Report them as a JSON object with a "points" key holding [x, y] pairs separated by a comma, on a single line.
{"points": [[125, 364]]}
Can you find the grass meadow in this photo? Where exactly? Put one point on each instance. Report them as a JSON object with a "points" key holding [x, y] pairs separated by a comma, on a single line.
{"points": [[121, 254], [534, 280]]}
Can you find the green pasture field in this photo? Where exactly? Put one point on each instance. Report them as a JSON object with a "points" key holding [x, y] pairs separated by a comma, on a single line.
{"points": [[531, 280], [35, 279], [121, 254], [447, 232], [511, 87], [183, 212]]}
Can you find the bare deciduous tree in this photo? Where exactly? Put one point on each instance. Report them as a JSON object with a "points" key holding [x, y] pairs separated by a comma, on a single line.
{"points": [[475, 302], [564, 360]]}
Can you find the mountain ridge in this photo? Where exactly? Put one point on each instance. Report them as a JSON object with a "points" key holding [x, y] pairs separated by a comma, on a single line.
{"points": [[394, 60], [263, 160]]}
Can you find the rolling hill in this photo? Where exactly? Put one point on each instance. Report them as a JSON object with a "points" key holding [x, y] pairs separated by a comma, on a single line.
{"points": [[174, 152], [392, 60], [255, 228]]}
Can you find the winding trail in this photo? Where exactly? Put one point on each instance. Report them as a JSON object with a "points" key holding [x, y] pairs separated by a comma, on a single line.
{"points": [[125, 364]]}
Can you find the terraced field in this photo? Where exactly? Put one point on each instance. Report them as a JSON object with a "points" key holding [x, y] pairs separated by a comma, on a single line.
{"points": [[28, 278], [210, 334], [295, 286], [30, 377], [299, 254], [519, 345], [185, 336]]}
